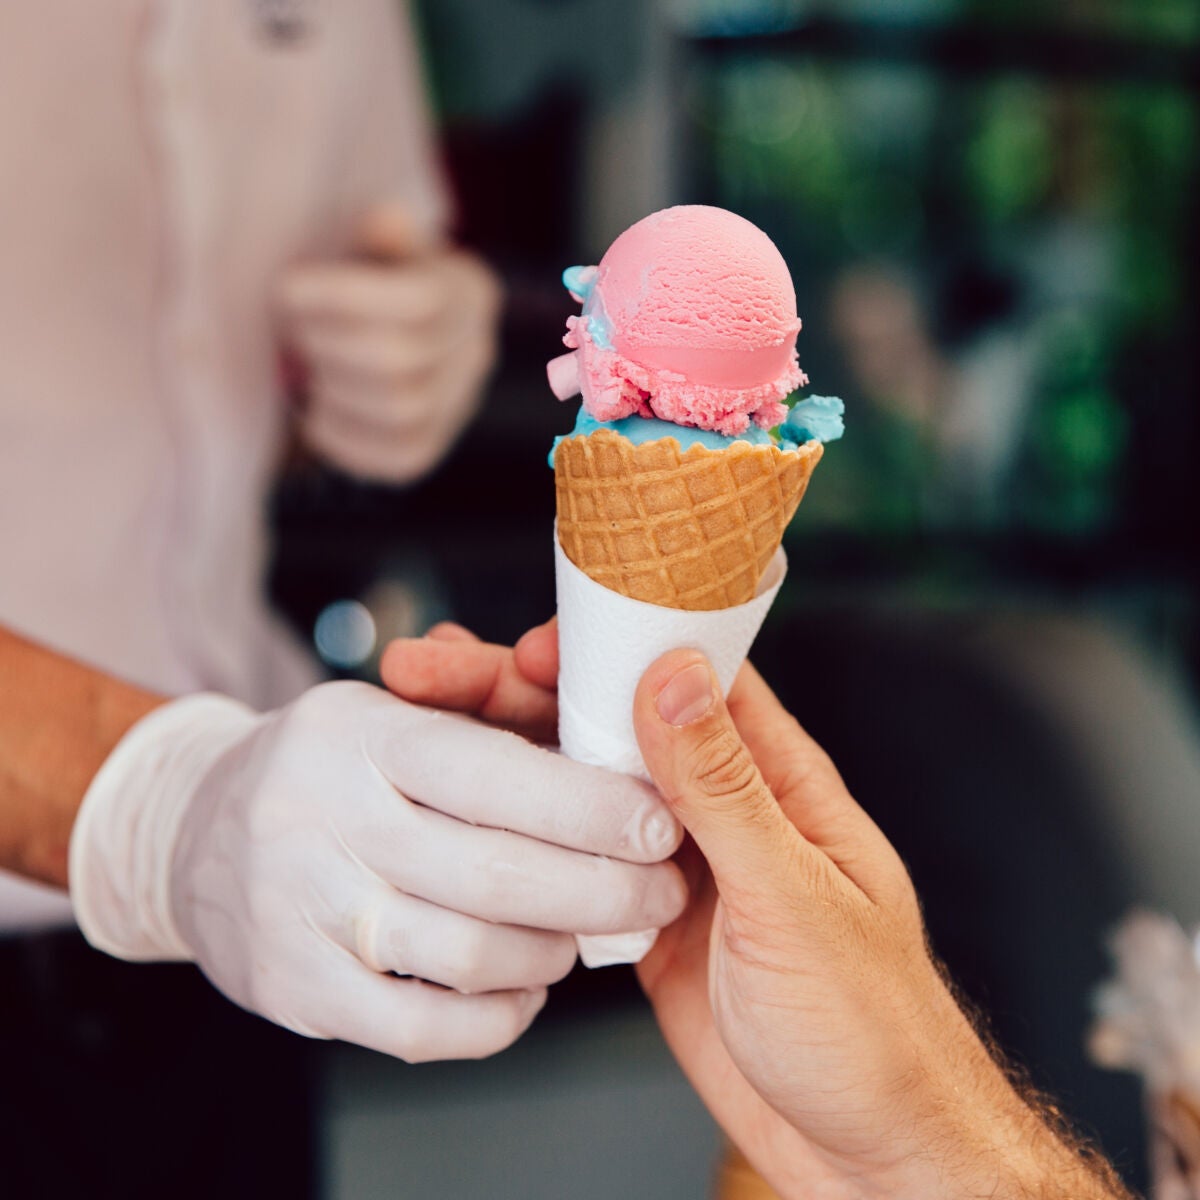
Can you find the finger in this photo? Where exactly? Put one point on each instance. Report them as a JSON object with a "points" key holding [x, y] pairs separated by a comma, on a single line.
{"points": [[390, 233], [414, 293], [385, 454], [469, 676], [536, 655], [382, 350], [682, 948], [439, 287], [451, 631], [809, 788], [490, 777], [419, 1022], [370, 407], [508, 879], [410, 936], [706, 774], [402, 438]]}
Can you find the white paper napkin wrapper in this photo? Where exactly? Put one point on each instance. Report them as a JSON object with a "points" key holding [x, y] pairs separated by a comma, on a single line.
{"points": [[605, 643]]}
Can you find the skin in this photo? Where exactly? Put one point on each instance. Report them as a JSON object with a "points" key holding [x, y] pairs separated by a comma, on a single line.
{"points": [[797, 990], [59, 721]]}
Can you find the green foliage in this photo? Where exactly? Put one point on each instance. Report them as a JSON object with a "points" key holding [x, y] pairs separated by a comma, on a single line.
{"points": [[1008, 158]]}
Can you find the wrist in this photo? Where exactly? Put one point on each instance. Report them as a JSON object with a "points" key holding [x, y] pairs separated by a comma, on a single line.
{"points": [[124, 836]]}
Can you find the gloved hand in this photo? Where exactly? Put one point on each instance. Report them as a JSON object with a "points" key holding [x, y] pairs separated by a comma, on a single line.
{"points": [[451, 668], [305, 857], [397, 347]]}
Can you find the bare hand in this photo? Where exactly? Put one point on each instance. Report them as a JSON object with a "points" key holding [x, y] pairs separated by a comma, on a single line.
{"points": [[797, 991]]}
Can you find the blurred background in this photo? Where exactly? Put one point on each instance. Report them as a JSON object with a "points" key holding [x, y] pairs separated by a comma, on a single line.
{"points": [[990, 211]]}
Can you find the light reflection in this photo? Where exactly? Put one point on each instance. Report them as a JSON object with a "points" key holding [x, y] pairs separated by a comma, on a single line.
{"points": [[344, 634]]}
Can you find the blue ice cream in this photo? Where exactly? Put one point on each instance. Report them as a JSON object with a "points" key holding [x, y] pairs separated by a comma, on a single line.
{"points": [[816, 419]]}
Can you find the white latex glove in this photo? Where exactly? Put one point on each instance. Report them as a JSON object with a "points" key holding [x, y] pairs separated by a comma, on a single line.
{"points": [[397, 348], [304, 856]]}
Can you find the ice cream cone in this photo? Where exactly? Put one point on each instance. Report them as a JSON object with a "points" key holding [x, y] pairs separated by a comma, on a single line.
{"points": [[691, 530], [606, 641], [672, 495]]}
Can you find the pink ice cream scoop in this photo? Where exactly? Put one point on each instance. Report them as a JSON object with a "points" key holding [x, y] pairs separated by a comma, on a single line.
{"points": [[690, 317]]}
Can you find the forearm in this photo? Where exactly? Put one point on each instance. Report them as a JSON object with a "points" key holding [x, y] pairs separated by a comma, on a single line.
{"points": [[59, 721], [1003, 1139], [1037, 1157], [1065, 1168]]}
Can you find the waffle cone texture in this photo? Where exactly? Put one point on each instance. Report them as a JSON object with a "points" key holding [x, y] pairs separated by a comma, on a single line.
{"points": [[690, 529]]}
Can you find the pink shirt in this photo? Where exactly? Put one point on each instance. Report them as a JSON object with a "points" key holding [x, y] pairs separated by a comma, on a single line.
{"points": [[160, 162]]}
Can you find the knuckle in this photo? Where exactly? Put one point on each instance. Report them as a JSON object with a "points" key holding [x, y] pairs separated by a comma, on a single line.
{"points": [[721, 765], [798, 775], [464, 962], [322, 696], [310, 713]]}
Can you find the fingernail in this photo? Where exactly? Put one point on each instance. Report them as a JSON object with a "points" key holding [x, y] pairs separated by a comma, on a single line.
{"points": [[657, 834], [687, 697]]}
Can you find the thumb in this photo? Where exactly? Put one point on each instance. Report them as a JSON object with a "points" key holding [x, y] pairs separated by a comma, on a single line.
{"points": [[701, 766], [389, 233]]}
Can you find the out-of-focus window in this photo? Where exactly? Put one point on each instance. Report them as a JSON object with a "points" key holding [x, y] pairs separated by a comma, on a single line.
{"points": [[991, 215]]}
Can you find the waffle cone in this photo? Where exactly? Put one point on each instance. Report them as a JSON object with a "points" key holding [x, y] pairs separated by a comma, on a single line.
{"points": [[690, 529]]}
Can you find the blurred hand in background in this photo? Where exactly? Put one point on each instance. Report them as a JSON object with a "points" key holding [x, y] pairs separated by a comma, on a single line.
{"points": [[396, 345]]}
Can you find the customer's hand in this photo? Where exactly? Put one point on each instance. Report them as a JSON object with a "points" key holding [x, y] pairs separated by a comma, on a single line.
{"points": [[396, 344], [798, 992], [307, 857]]}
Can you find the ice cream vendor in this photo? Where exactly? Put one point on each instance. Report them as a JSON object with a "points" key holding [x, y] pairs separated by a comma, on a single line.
{"points": [[187, 188]]}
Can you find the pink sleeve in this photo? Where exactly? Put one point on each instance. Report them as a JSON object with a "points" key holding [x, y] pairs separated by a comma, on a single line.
{"points": [[394, 155]]}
